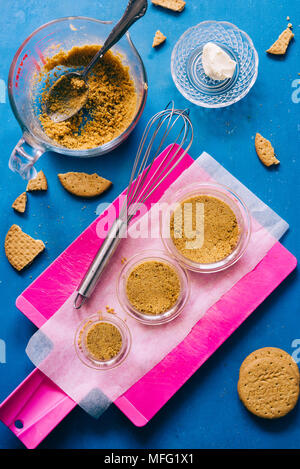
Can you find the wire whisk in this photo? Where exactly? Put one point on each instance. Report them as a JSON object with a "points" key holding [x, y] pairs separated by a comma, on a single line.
{"points": [[146, 176]]}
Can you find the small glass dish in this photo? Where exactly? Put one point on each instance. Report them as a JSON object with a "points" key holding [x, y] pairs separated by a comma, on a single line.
{"points": [[235, 203], [187, 69], [80, 337], [168, 315]]}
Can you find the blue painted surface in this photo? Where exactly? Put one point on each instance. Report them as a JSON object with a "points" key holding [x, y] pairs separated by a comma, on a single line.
{"points": [[206, 412]]}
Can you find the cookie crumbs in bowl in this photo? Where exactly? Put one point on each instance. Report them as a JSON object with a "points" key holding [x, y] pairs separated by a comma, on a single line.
{"points": [[103, 341], [153, 287], [111, 104], [221, 230]]}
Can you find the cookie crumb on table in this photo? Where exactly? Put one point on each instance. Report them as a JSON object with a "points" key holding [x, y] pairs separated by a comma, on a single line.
{"points": [[20, 248], [83, 184], [174, 5], [281, 44], [159, 38], [39, 183], [265, 151], [20, 203]]}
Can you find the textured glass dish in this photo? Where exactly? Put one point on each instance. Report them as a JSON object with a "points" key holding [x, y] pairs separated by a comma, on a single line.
{"points": [[188, 73]]}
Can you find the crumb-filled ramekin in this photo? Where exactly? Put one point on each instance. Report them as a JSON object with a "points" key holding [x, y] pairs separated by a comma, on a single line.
{"points": [[160, 257], [82, 348], [223, 194]]}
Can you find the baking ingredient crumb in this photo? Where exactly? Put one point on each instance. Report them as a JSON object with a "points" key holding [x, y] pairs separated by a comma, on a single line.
{"points": [[158, 39], [20, 203], [103, 341], [174, 5], [281, 44], [39, 183], [111, 101], [153, 287], [265, 151], [221, 230]]}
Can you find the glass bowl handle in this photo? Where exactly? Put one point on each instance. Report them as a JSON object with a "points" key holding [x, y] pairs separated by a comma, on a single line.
{"points": [[24, 156]]}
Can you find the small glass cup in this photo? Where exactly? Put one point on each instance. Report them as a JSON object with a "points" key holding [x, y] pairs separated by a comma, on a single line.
{"points": [[83, 353], [168, 315], [225, 195]]}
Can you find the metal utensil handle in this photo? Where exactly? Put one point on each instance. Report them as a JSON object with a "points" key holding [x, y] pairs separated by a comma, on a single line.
{"points": [[99, 263], [134, 11]]}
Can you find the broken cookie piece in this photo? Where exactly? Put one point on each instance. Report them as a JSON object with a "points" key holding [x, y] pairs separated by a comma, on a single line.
{"points": [[39, 183], [159, 38], [280, 46], [20, 203], [83, 184], [20, 248], [265, 151], [174, 5]]}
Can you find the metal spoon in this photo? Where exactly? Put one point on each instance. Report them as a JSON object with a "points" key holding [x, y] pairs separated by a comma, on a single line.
{"points": [[70, 92]]}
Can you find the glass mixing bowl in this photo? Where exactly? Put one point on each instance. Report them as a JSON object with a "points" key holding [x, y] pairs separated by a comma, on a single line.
{"points": [[62, 34]]}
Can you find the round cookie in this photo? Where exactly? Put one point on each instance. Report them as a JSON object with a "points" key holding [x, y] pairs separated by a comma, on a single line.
{"points": [[271, 352], [268, 387]]}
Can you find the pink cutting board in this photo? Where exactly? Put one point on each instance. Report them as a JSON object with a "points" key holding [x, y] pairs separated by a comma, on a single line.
{"points": [[39, 405]]}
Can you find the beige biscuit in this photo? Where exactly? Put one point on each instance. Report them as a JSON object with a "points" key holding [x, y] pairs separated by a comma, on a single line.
{"points": [[280, 46], [265, 151], [271, 352], [20, 203], [268, 387], [174, 5], [39, 183], [84, 185], [20, 248], [159, 38]]}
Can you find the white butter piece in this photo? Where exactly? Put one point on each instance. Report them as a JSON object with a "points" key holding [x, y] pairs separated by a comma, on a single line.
{"points": [[217, 63]]}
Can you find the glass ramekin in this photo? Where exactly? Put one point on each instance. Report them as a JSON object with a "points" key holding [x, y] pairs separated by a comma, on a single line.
{"points": [[82, 332], [167, 316], [44, 42], [224, 194]]}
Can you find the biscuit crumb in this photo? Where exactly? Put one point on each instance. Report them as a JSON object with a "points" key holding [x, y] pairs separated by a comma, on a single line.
{"points": [[20, 203], [220, 230], [174, 5], [20, 248], [265, 151], [281, 44], [39, 183], [159, 38], [111, 106], [103, 341], [153, 287], [83, 184]]}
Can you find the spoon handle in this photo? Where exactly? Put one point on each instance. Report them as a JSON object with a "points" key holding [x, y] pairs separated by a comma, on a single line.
{"points": [[134, 11]]}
